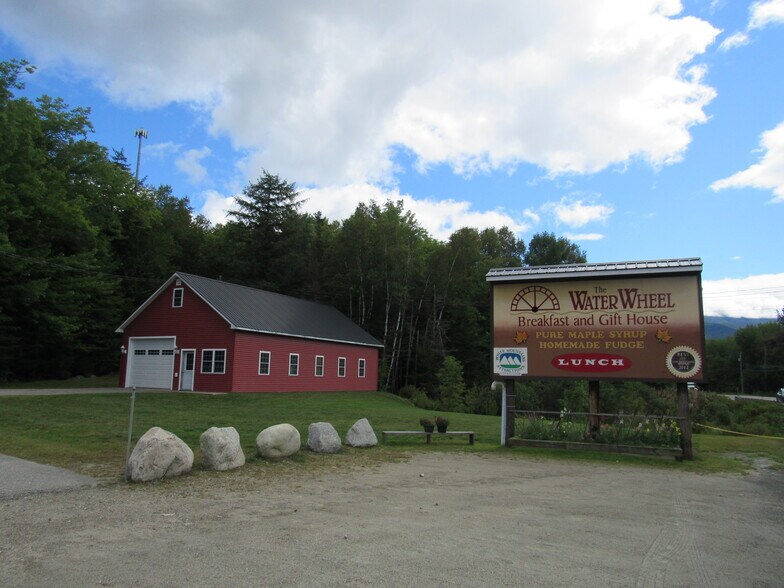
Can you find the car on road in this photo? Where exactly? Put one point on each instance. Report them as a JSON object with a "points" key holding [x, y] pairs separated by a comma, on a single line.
{"points": [[780, 395]]}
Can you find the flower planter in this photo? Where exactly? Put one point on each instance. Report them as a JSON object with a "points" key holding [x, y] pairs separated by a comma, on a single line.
{"points": [[428, 428], [442, 429], [603, 447]]}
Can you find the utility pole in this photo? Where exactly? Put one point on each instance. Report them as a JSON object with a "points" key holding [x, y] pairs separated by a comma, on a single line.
{"points": [[740, 361], [141, 134]]}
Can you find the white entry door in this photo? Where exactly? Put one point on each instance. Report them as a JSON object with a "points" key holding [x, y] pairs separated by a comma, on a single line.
{"points": [[187, 362]]}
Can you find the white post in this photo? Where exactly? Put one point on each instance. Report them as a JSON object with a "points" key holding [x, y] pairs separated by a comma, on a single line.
{"points": [[503, 409]]}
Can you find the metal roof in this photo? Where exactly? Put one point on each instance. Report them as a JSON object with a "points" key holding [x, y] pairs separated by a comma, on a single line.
{"points": [[598, 270], [259, 311]]}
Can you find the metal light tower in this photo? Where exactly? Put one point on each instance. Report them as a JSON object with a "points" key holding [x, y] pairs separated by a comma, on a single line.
{"points": [[141, 134]]}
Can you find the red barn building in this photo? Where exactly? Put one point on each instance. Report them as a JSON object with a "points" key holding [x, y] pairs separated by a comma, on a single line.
{"points": [[195, 333]]}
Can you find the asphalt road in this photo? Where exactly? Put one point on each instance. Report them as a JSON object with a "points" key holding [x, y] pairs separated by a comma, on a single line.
{"points": [[60, 391], [19, 477], [750, 397]]}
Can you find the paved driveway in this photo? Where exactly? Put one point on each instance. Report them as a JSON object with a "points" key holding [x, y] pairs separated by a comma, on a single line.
{"points": [[19, 477], [58, 391]]}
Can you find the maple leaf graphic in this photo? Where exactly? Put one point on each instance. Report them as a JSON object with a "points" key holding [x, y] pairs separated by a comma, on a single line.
{"points": [[521, 337], [663, 335]]}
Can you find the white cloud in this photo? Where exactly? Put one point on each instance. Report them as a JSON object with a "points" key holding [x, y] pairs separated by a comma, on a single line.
{"points": [[584, 236], [765, 13], [190, 164], [323, 93], [576, 213], [768, 174], [736, 258], [733, 41], [761, 14], [216, 206], [752, 297], [160, 150]]}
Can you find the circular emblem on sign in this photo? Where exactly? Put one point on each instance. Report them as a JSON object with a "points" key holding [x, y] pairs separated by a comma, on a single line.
{"points": [[534, 299], [683, 362]]}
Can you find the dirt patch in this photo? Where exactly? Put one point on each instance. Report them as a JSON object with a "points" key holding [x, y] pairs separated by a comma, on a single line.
{"points": [[447, 518]]}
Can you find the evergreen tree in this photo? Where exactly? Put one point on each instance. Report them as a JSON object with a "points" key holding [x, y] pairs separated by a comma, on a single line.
{"points": [[263, 221]]}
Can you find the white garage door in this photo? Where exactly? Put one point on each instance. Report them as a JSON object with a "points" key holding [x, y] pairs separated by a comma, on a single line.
{"points": [[150, 363]]}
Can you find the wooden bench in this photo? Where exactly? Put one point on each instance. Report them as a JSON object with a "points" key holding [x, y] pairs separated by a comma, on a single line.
{"points": [[429, 436]]}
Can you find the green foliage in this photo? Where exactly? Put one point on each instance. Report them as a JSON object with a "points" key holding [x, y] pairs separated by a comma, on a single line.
{"points": [[451, 389], [757, 350], [547, 249], [743, 416], [642, 431], [482, 399], [417, 396], [80, 247]]}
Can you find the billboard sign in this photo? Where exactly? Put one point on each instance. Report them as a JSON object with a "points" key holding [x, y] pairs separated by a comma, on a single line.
{"points": [[628, 325]]}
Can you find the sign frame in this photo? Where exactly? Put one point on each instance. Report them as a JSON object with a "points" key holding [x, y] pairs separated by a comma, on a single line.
{"points": [[652, 330]]}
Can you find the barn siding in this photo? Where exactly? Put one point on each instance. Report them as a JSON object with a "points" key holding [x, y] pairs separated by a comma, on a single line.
{"points": [[195, 325], [246, 359]]}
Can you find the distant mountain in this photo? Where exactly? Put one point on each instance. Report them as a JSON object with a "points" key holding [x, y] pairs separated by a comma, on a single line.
{"points": [[720, 327]]}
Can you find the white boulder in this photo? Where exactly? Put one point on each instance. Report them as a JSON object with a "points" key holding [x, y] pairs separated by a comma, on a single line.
{"points": [[361, 435], [220, 449], [159, 454], [323, 438], [278, 441]]}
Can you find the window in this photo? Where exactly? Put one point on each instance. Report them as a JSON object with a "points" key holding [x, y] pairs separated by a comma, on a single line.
{"points": [[264, 363], [319, 365], [177, 298], [361, 368], [341, 367], [293, 364], [167, 351], [154, 352], [139, 352], [213, 361]]}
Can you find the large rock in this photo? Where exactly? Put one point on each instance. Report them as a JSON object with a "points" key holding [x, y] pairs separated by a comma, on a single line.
{"points": [[278, 441], [220, 449], [361, 435], [159, 454], [323, 438]]}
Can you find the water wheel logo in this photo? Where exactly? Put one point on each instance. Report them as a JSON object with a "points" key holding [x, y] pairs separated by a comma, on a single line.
{"points": [[534, 299]]}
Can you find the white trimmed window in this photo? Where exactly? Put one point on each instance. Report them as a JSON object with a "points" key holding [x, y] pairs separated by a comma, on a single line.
{"points": [[265, 360], [361, 368], [213, 361], [319, 365], [341, 367], [293, 364], [177, 298]]}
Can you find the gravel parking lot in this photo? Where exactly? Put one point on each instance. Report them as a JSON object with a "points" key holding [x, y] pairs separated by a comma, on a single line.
{"points": [[435, 518]]}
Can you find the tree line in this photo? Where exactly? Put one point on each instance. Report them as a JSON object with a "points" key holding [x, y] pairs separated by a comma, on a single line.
{"points": [[82, 245], [751, 361]]}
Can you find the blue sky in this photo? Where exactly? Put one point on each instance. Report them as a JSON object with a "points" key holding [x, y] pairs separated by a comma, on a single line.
{"points": [[639, 129]]}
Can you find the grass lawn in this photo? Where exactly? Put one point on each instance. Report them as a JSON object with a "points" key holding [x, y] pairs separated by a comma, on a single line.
{"points": [[88, 432]]}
